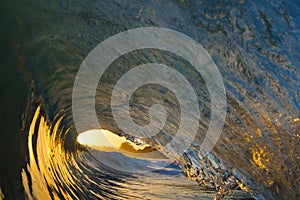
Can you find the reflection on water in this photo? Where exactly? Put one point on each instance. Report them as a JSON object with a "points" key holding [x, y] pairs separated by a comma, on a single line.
{"points": [[255, 45], [41, 168], [1, 194], [53, 173]]}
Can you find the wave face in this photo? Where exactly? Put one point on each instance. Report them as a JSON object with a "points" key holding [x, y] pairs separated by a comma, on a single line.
{"points": [[53, 173], [255, 45]]}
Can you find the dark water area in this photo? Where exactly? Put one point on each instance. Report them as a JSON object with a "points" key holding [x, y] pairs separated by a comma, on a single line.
{"points": [[255, 45]]}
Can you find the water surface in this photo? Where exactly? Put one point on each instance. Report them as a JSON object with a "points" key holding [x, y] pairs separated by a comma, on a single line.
{"points": [[255, 45]]}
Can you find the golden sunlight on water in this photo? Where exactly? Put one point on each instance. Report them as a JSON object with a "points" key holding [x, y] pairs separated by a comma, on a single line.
{"points": [[52, 173], [1, 194], [42, 169]]}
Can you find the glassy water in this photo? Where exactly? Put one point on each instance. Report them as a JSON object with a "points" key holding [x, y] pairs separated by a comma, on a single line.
{"points": [[255, 45]]}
